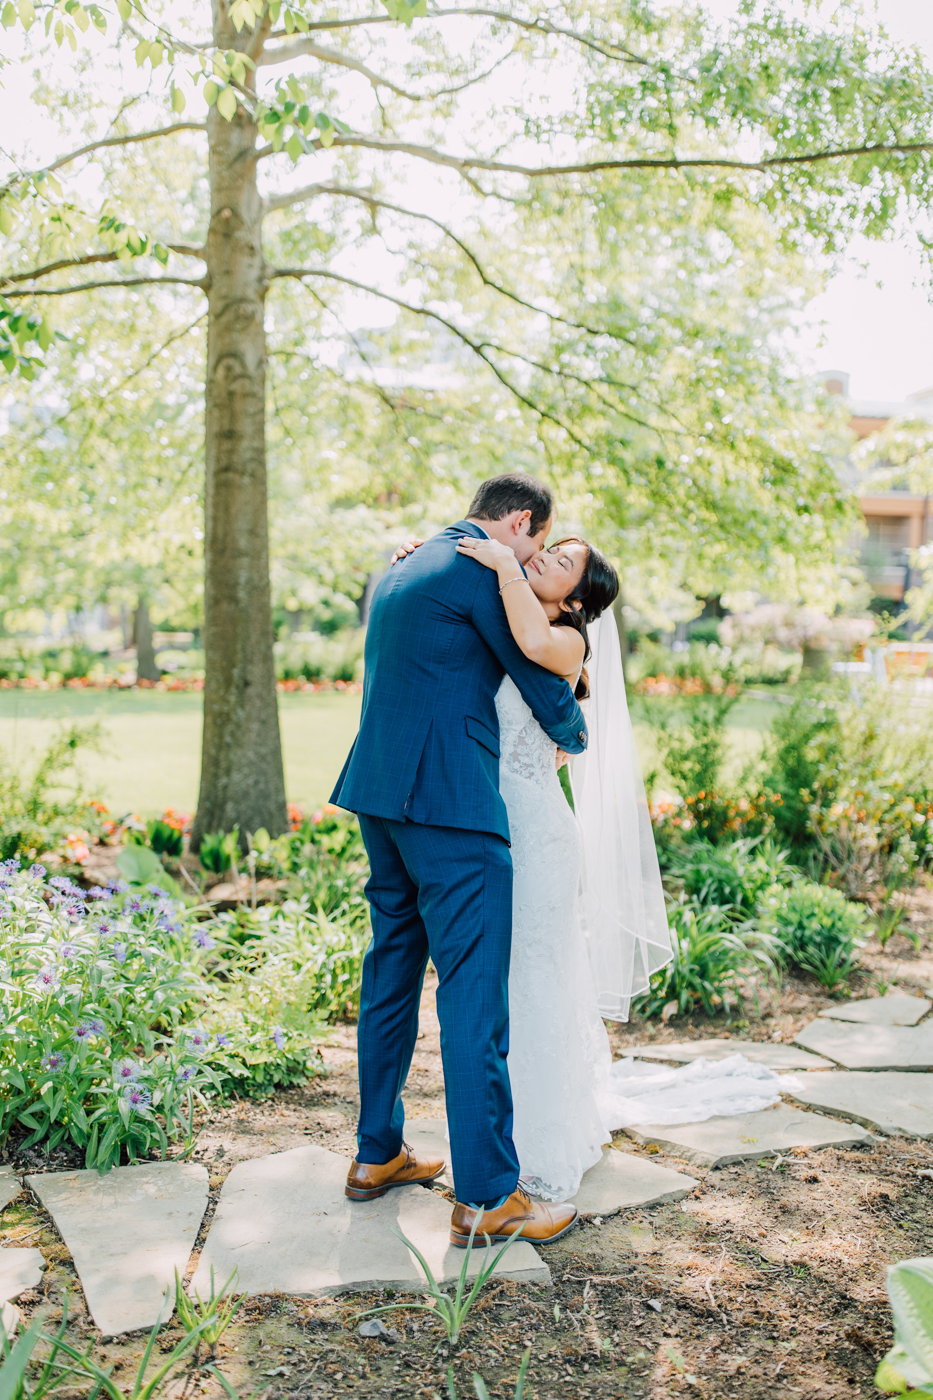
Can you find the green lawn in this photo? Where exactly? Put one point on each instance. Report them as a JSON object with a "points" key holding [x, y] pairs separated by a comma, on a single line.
{"points": [[150, 741]]}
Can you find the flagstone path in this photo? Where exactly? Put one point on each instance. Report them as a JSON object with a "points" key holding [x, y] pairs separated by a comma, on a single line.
{"points": [[128, 1232], [896, 1009], [284, 1223], [761, 1052], [870, 1046]]}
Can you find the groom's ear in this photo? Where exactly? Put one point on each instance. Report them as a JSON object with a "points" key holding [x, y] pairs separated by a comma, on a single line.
{"points": [[520, 522]]}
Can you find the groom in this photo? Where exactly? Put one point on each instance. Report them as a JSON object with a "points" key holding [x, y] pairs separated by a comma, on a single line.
{"points": [[423, 775]]}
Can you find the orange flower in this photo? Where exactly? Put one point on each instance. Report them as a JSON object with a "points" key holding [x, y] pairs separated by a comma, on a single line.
{"points": [[295, 815]]}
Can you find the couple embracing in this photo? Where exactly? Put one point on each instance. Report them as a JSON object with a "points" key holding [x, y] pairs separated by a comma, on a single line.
{"points": [[539, 921]]}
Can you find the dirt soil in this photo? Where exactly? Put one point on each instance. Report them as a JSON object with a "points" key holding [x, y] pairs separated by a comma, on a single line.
{"points": [[767, 1281]]}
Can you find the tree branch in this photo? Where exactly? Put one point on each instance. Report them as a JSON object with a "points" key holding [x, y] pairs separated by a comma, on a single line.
{"points": [[286, 52], [365, 197], [480, 348], [98, 145], [538, 25], [184, 249], [199, 282], [466, 163]]}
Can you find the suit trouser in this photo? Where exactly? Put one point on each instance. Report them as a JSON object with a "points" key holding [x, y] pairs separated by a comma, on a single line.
{"points": [[446, 893]]}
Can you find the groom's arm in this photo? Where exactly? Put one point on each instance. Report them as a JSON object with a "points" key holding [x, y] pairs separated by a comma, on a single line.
{"points": [[549, 697]]}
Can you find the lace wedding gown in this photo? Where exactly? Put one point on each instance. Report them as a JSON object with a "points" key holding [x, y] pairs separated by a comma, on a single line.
{"points": [[568, 1096]]}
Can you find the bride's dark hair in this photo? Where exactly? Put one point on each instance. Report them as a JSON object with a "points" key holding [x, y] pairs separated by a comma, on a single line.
{"points": [[597, 590]]}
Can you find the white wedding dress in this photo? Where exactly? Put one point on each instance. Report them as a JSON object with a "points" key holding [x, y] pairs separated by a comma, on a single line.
{"points": [[568, 1096]]}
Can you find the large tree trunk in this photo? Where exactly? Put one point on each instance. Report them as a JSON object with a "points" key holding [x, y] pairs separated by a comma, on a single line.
{"points": [[242, 779]]}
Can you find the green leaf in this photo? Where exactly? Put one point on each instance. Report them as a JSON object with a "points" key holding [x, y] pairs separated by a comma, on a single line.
{"points": [[124, 9], [6, 220], [293, 146], [210, 93], [155, 54], [178, 99], [888, 1379], [142, 52], [8, 16], [140, 866], [27, 12], [226, 104]]}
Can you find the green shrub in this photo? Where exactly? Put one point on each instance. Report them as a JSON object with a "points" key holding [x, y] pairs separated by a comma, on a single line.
{"points": [[908, 1366], [96, 1040], [817, 929], [165, 840], [37, 813], [712, 962], [800, 755], [218, 850], [731, 877]]}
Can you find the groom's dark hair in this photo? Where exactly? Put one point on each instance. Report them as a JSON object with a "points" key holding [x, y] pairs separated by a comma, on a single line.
{"points": [[500, 495]]}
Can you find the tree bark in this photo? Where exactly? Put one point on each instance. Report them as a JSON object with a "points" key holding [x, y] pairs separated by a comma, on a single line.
{"points": [[146, 668], [242, 778]]}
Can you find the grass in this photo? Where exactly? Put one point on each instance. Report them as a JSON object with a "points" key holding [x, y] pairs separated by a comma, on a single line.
{"points": [[151, 748]]}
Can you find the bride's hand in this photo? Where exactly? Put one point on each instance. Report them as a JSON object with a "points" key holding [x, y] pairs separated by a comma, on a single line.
{"points": [[489, 552], [560, 758], [404, 550]]}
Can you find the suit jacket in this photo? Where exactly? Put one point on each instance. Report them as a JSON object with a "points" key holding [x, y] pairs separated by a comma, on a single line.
{"points": [[437, 646]]}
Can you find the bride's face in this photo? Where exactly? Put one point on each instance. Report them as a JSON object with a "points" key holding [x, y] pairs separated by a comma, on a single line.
{"points": [[554, 573]]}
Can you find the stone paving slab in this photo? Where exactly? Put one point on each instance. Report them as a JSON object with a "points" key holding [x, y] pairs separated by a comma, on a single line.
{"points": [[620, 1181], [718, 1141], [10, 1186], [19, 1269], [870, 1047], [899, 1009], [9, 1316], [760, 1052], [128, 1232], [889, 1101], [284, 1223]]}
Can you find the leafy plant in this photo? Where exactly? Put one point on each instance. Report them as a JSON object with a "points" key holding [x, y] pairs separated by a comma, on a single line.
{"points": [[141, 867], [211, 1318], [218, 850], [817, 929], [711, 963], [95, 1041], [36, 814], [19, 1380], [165, 840], [452, 1311], [799, 754], [730, 876], [908, 1366]]}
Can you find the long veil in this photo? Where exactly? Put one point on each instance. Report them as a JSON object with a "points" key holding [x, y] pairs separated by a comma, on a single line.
{"points": [[624, 913]]}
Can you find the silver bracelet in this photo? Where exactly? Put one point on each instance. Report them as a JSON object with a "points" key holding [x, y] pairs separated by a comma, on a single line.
{"points": [[519, 578]]}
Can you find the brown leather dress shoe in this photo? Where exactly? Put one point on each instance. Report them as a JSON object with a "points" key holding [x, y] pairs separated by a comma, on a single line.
{"points": [[544, 1221], [366, 1181]]}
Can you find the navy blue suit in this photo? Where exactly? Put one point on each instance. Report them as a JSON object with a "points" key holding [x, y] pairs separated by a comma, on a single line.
{"points": [[423, 774]]}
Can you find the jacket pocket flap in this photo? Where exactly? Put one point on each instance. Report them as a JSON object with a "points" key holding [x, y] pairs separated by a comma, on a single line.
{"points": [[482, 734]]}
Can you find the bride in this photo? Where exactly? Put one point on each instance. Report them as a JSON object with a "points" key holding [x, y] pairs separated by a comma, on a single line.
{"points": [[589, 922]]}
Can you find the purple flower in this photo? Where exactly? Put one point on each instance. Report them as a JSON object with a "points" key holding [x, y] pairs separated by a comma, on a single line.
{"points": [[61, 882], [167, 924], [185, 1075], [198, 1041], [104, 926], [52, 1063], [95, 892], [74, 912], [126, 1071], [68, 950], [136, 1096], [9, 867], [37, 872], [278, 1035], [119, 952], [86, 1029], [158, 891], [223, 1040], [136, 905], [116, 887], [5, 885], [203, 939], [47, 978]]}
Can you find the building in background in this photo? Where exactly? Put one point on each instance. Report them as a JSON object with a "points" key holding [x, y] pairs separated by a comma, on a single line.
{"points": [[898, 521]]}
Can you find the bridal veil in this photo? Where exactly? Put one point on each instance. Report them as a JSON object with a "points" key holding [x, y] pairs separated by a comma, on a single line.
{"points": [[624, 913]]}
